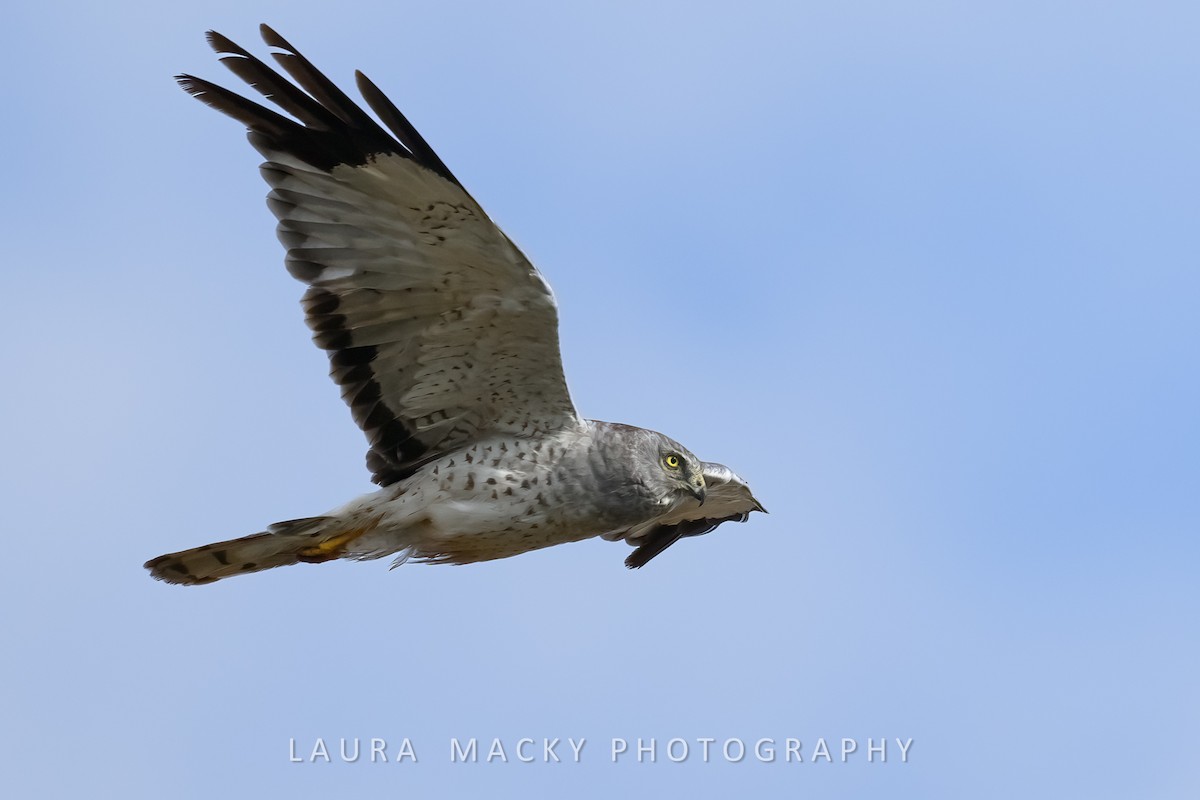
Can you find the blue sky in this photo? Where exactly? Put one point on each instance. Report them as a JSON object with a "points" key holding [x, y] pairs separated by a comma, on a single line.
{"points": [[944, 263]]}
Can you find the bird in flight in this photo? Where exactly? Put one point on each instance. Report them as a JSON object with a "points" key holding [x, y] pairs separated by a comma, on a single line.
{"points": [[444, 341]]}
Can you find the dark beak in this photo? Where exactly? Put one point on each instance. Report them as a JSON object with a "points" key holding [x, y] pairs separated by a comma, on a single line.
{"points": [[698, 492]]}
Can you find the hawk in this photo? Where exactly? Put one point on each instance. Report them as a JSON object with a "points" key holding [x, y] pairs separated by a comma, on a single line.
{"points": [[444, 341]]}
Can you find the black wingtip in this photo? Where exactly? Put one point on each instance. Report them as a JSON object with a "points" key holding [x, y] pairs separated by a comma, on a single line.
{"points": [[273, 39], [223, 45], [326, 128], [400, 127], [189, 83]]}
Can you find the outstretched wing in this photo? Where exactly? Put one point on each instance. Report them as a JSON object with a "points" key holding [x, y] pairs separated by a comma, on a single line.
{"points": [[728, 500], [437, 328]]}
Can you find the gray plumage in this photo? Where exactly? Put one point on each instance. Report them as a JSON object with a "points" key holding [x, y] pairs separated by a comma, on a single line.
{"points": [[444, 341]]}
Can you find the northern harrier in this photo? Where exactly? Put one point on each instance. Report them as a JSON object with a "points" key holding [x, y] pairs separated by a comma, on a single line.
{"points": [[444, 341]]}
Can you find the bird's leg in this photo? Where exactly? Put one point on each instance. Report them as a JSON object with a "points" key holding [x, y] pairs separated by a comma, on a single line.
{"points": [[335, 546]]}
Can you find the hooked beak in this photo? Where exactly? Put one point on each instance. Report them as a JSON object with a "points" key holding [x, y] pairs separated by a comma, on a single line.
{"points": [[698, 491]]}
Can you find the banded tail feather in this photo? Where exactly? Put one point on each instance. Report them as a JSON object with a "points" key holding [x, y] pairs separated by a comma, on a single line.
{"points": [[310, 540]]}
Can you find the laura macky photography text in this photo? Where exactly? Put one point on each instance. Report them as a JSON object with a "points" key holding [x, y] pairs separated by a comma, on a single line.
{"points": [[616, 750]]}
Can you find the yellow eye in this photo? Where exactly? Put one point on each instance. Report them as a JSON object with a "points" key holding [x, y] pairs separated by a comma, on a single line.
{"points": [[672, 461]]}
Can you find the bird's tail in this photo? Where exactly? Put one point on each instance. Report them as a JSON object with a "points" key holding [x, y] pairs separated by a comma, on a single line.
{"points": [[312, 540]]}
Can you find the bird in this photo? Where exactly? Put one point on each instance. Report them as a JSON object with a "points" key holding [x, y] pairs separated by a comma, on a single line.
{"points": [[443, 339]]}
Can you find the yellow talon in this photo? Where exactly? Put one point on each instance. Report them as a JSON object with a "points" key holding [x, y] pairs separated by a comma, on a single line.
{"points": [[334, 546]]}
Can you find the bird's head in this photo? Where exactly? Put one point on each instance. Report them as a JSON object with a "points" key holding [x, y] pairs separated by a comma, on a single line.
{"points": [[677, 469]]}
